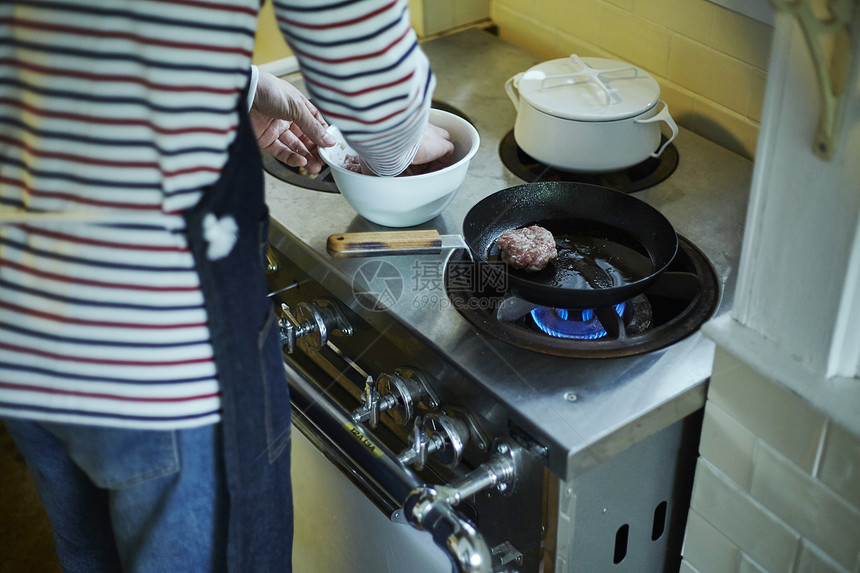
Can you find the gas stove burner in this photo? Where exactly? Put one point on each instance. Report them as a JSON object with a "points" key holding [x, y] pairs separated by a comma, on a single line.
{"points": [[672, 308], [578, 324], [324, 181], [641, 176], [586, 324]]}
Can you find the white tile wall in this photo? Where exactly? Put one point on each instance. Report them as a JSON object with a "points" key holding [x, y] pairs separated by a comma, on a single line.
{"points": [[838, 467], [754, 529], [749, 566], [811, 508], [777, 416], [728, 445], [708, 550], [813, 560], [777, 485], [687, 568]]}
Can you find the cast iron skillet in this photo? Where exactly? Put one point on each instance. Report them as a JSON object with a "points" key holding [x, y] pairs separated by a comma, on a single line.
{"points": [[611, 245]]}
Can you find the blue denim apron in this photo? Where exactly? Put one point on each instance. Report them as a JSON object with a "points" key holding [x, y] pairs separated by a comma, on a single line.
{"points": [[254, 393]]}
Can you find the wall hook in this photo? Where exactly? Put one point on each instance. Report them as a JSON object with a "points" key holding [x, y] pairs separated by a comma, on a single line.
{"points": [[828, 32]]}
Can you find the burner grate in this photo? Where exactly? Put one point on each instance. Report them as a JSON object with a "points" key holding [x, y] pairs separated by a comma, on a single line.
{"points": [[641, 176], [672, 308]]}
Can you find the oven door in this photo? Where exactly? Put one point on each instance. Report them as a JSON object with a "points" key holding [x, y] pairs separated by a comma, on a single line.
{"points": [[359, 508], [339, 530]]}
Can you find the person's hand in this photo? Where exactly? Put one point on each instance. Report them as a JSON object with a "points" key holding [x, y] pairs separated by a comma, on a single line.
{"points": [[433, 153], [287, 124], [285, 141], [435, 146]]}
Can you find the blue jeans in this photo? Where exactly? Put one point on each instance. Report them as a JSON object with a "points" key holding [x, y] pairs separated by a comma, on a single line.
{"points": [[130, 500]]}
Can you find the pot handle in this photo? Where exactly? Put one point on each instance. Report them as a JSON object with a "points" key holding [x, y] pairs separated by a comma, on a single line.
{"points": [[512, 89], [663, 115]]}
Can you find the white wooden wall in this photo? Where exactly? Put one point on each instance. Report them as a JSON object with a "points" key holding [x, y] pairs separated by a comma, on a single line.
{"points": [[796, 318], [799, 283]]}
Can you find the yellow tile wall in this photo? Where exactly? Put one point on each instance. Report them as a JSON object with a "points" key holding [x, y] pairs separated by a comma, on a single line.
{"points": [[269, 44], [710, 62], [428, 18]]}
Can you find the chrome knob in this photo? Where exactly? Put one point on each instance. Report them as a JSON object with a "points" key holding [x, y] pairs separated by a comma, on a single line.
{"points": [[454, 433], [374, 404], [443, 436], [409, 389], [314, 323], [399, 394]]}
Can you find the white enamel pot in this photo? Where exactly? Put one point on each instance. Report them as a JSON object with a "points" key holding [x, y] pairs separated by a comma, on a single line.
{"points": [[589, 115]]}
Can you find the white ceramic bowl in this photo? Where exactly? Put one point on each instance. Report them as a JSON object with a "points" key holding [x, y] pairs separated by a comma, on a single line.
{"points": [[407, 200]]}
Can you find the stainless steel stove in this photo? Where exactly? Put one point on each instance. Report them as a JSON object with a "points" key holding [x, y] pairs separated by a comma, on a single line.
{"points": [[513, 457]]}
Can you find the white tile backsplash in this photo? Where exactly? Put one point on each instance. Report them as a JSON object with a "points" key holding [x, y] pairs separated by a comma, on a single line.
{"points": [[775, 477], [747, 565], [811, 508], [778, 417], [839, 467], [812, 560], [741, 519], [708, 550], [687, 568], [728, 445]]}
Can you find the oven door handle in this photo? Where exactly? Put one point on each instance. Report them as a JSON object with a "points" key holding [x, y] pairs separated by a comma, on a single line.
{"points": [[422, 507]]}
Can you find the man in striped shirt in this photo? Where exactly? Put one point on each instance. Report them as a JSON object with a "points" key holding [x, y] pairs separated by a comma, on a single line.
{"points": [[140, 372]]}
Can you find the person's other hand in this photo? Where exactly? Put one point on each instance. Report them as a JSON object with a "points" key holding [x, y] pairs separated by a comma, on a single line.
{"points": [[435, 146], [286, 142], [434, 153], [287, 124]]}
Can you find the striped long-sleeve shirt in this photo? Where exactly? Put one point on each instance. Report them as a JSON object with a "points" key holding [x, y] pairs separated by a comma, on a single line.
{"points": [[113, 116]]}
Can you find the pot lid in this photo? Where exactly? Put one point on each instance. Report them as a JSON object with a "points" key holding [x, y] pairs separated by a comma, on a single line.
{"points": [[589, 89]]}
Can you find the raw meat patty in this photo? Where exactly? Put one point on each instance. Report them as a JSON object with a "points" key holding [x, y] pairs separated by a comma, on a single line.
{"points": [[529, 248]]}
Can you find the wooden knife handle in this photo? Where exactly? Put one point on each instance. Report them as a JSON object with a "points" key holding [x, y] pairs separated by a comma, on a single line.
{"points": [[372, 244]]}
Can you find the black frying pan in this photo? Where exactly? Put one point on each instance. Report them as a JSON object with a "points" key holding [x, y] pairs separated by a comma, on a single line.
{"points": [[611, 245]]}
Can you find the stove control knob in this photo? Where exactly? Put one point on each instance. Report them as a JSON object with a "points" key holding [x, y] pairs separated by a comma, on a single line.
{"points": [[374, 404], [443, 436], [314, 322], [409, 389], [455, 434], [399, 394]]}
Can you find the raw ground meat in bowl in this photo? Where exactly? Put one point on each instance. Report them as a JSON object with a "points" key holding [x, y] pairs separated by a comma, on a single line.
{"points": [[410, 199]]}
